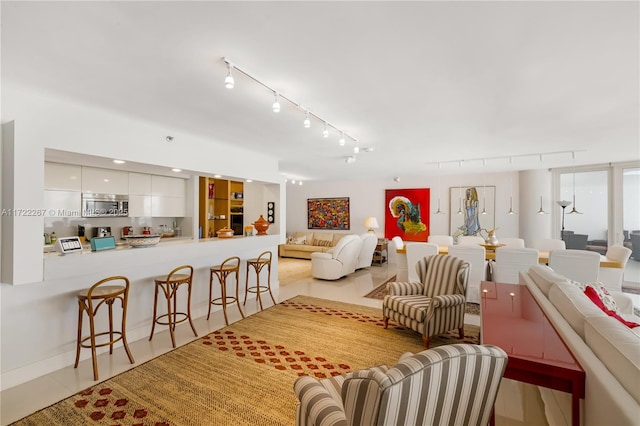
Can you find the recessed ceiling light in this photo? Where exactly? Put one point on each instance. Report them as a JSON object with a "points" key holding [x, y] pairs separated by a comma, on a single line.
{"points": [[106, 180], [217, 176], [119, 161], [249, 180], [176, 170]]}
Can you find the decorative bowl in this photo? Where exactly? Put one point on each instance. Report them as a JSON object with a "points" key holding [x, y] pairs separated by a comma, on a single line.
{"points": [[224, 233], [139, 241]]}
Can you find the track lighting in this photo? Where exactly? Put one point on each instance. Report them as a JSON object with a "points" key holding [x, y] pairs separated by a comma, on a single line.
{"points": [[229, 83], [307, 122], [228, 80], [350, 159], [356, 149], [396, 178]]}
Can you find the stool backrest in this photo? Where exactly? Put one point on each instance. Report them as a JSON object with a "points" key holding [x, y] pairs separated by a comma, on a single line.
{"points": [[235, 260], [265, 256], [108, 281], [181, 269]]}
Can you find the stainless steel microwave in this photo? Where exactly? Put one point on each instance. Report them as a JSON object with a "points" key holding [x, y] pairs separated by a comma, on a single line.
{"points": [[104, 205]]}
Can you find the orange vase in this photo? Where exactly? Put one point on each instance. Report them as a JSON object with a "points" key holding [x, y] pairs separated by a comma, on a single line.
{"points": [[261, 225]]}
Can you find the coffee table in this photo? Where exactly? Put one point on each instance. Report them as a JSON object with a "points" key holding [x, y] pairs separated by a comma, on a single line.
{"points": [[511, 319]]}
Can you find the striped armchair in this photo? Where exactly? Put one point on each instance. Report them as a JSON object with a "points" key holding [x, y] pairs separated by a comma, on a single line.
{"points": [[436, 304], [447, 385]]}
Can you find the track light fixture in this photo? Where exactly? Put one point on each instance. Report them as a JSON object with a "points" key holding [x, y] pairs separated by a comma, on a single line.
{"points": [[307, 122], [229, 83], [356, 148], [228, 80], [350, 159]]}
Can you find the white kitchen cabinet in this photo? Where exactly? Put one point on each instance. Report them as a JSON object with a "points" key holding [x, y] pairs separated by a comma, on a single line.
{"points": [[65, 177], [139, 184], [62, 203], [140, 205], [167, 206], [164, 186], [105, 181]]}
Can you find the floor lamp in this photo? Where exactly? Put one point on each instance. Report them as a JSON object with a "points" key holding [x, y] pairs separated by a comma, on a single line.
{"points": [[564, 204]]}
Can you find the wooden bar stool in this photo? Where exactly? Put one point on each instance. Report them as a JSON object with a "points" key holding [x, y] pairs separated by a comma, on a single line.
{"points": [[258, 263], [228, 267], [102, 294], [169, 286]]}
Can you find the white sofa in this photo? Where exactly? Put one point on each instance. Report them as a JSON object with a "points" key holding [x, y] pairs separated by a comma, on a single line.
{"points": [[369, 243], [607, 350], [341, 260]]}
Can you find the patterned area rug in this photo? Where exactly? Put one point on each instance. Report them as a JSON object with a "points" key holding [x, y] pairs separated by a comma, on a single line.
{"points": [[381, 291], [243, 374]]}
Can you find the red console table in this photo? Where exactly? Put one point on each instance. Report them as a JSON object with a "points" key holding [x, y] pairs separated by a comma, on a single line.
{"points": [[511, 319]]}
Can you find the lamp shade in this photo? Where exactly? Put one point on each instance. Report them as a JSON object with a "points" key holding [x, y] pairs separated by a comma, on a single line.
{"points": [[371, 223]]}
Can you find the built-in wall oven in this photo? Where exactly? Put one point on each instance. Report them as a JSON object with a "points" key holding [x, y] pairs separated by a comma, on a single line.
{"points": [[104, 205]]}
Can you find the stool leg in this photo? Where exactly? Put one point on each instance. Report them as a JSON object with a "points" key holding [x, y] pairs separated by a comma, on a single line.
{"points": [[170, 293], [269, 283], [155, 311], [80, 314], [110, 305], [189, 310], [124, 330], [258, 269], [210, 293], [237, 298], [94, 356], [223, 286], [246, 284]]}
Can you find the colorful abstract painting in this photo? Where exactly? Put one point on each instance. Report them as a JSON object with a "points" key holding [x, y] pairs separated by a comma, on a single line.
{"points": [[407, 214], [328, 213]]}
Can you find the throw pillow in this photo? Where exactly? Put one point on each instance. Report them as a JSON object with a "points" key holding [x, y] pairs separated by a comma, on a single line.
{"points": [[322, 243], [299, 240], [608, 301], [592, 294]]}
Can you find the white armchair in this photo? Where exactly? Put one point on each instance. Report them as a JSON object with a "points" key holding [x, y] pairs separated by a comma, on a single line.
{"points": [[339, 261], [369, 243]]}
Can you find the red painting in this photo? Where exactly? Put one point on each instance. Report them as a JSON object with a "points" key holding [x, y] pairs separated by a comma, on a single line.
{"points": [[407, 214]]}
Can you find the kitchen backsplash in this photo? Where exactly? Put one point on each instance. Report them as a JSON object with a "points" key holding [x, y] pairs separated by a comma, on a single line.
{"points": [[65, 227]]}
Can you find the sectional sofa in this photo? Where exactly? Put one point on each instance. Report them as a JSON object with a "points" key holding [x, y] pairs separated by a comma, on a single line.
{"points": [[607, 350], [302, 244]]}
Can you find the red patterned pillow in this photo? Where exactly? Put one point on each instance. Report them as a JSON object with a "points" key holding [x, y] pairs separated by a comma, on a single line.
{"points": [[592, 294]]}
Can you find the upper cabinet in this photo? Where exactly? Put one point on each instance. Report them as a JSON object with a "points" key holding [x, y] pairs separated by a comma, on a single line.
{"points": [[63, 177], [139, 184], [167, 186], [105, 181]]}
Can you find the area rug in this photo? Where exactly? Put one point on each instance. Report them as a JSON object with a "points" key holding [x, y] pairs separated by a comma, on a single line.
{"points": [[243, 374], [381, 291]]}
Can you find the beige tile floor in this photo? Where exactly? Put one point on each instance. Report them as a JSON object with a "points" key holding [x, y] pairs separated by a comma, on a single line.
{"points": [[517, 405]]}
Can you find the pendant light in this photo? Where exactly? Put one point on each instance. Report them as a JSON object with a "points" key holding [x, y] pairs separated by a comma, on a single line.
{"points": [[325, 132], [439, 211], [307, 122], [484, 188], [276, 104], [541, 211], [228, 80], [460, 189], [573, 209], [511, 188]]}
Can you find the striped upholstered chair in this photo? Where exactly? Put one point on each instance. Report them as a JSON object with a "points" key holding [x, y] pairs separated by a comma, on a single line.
{"points": [[434, 305], [447, 385]]}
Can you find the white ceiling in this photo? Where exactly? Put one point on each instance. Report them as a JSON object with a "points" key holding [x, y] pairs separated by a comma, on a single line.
{"points": [[420, 82]]}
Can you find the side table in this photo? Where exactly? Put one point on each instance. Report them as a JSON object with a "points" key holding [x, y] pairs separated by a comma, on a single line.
{"points": [[381, 253]]}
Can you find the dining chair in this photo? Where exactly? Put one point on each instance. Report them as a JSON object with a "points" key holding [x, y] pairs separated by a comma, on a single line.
{"points": [[475, 256], [548, 244], [470, 240], [512, 242], [441, 240], [612, 277], [577, 265], [511, 261], [415, 252]]}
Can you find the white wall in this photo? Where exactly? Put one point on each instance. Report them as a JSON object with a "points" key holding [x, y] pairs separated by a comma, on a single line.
{"points": [[367, 198]]}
